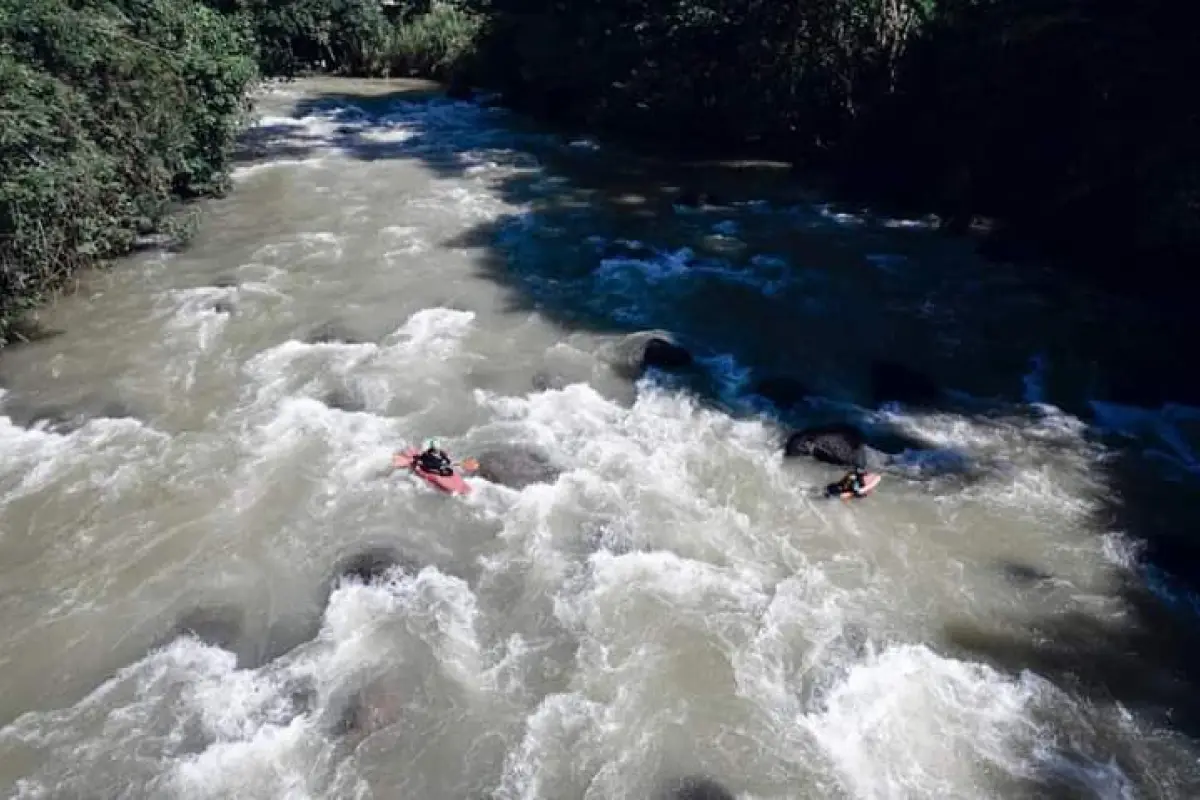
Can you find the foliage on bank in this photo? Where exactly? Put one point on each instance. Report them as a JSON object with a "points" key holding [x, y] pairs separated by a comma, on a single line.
{"points": [[1070, 121], [405, 38], [1073, 122], [110, 114]]}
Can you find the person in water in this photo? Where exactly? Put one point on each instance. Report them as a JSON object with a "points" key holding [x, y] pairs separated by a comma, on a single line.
{"points": [[434, 460], [855, 482]]}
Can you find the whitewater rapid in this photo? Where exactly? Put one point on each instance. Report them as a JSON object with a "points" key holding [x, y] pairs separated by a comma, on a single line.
{"points": [[677, 601]]}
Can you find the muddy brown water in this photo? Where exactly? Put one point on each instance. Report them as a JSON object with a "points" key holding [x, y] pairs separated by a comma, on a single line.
{"points": [[678, 601]]}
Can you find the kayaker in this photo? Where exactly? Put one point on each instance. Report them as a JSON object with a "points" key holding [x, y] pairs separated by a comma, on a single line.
{"points": [[854, 482], [434, 460]]}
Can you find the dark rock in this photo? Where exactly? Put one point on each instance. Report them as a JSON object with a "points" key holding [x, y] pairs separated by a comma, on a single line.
{"points": [[665, 354], [838, 443], [370, 565], [225, 282], [516, 467], [344, 400], [545, 381], [635, 353], [223, 306], [892, 382], [1024, 574], [695, 787], [249, 638], [302, 694], [332, 333], [64, 419], [216, 626], [27, 331], [783, 392]]}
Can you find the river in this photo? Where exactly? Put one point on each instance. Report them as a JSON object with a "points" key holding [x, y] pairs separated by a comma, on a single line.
{"points": [[674, 608]]}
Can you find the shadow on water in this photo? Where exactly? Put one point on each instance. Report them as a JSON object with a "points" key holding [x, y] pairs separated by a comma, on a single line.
{"points": [[820, 305]]}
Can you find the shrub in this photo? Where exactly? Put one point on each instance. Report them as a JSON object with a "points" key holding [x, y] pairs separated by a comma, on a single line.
{"points": [[437, 44], [109, 114]]}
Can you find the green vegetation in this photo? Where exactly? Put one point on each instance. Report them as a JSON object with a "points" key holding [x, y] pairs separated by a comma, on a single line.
{"points": [[1071, 122], [110, 113]]}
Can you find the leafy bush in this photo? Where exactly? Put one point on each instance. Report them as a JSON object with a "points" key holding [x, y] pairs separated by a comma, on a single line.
{"points": [[436, 44], [109, 114], [297, 35]]}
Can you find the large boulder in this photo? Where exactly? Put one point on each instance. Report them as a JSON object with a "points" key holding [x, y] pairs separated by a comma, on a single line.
{"points": [[516, 467], [634, 354], [838, 443]]}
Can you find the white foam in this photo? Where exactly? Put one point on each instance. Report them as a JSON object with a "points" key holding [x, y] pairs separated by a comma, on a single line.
{"points": [[909, 723], [219, 731]]}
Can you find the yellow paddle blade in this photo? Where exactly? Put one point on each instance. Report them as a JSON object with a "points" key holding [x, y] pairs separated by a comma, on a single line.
{"points": [[469, 464]]}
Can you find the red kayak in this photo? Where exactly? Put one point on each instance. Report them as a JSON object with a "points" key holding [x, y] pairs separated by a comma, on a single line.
{"points": [[450, 484]]}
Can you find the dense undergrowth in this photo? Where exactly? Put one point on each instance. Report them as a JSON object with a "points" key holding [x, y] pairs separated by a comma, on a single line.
{"points": [[110, 114], [1070, 121]]}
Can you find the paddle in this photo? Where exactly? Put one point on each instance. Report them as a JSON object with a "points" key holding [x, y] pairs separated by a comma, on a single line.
{"points": [[401, 461]]}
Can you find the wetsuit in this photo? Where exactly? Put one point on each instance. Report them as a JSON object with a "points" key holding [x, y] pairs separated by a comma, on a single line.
{"points": [[853, 483], [436, 462]]}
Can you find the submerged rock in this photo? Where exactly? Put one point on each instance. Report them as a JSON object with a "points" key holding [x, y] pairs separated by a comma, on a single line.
{"points": [[332, 333], [370, 564], [1024, 574], [252, 636], [516, 467], [694, 787], [344, 400], [217, 626], [64, 418], [546, 380]]}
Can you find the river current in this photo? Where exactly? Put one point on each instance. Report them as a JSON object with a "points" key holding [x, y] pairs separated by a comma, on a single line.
{"points": [[672, 610]]}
